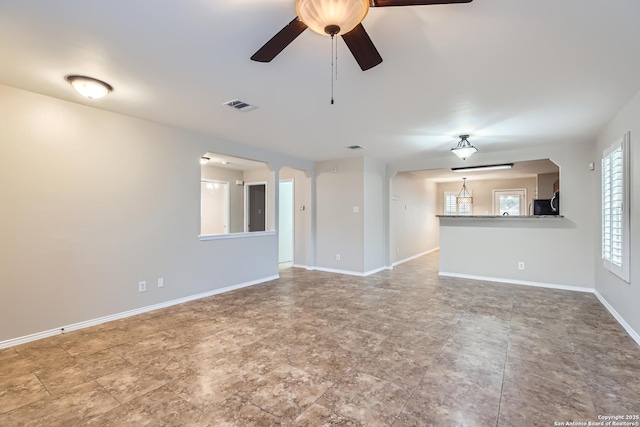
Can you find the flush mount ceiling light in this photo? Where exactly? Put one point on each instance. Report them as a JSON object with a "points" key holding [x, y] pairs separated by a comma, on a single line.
{"points": [[89, 87], [464, 198], [483, 168], [204, 160], [464, 149]]}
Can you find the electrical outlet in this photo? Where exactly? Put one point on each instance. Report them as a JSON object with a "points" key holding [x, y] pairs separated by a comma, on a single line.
{"points": [[520, 265], [337, 257], [142, 286], [161, 282]]}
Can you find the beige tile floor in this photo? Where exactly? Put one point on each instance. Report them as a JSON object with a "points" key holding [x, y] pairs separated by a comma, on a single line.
{"points": [[399, 348]]}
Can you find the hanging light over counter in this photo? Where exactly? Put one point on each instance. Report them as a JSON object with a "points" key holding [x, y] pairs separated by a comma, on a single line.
{"points": [[464, 198]]}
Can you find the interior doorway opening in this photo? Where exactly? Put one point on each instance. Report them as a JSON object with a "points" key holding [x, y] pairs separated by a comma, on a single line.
{"points": [[256, 206], [295, 217], [286, 224]]}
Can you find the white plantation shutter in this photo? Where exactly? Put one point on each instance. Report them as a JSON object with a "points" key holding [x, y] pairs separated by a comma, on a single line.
{"points": [[450, 204], [615, 208], [452, 208], [613, 204]]}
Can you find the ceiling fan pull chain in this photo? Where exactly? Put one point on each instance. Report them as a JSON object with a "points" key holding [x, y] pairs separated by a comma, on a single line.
{"points": [[332, 67]]}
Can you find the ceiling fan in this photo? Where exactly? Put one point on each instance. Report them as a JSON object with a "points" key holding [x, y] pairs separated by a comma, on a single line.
{"points": [[337, 17]]}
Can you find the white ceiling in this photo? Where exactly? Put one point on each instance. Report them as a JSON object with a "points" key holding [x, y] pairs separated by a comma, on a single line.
{"points": [[514, 72]]}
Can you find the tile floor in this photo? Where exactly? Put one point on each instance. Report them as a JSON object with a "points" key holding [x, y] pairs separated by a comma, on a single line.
{"points": [[399, 348]]}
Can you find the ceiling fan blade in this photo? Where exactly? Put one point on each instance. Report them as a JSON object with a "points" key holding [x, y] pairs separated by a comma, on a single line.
{"points": [[362, 48], [387, 3], [273, 47]]}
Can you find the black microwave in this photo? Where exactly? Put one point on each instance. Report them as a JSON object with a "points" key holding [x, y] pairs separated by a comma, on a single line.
{"points": [[547, 206]]}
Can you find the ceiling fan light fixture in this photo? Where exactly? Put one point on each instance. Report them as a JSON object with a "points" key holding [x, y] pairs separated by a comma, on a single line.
{"points": [[464, 148], [332, 17], [88, 86]]}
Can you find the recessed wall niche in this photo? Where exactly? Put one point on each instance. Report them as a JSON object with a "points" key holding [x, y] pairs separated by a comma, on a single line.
{"points": [[236, 195]]}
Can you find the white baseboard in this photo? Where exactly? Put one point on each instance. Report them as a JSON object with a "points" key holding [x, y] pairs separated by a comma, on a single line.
{"points": [[306, 267], [377, 270], [617, 316], [518, 282], [87, 323], [411, 258], [351, 273]]}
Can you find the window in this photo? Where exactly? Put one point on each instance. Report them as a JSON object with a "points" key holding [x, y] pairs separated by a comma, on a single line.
{"points": [[509, 202], [452, 208], [615, 208]]}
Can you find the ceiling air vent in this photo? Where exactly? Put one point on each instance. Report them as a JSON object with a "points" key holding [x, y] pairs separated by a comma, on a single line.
{"points": [[240, 105], [355, 147]]}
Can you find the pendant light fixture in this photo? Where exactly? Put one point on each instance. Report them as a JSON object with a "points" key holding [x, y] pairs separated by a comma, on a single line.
{"points": [[88, 86], [464, 148], [464, 198]]}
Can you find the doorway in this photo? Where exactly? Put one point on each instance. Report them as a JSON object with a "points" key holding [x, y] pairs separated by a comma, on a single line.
{"points": [[509, 202], [256, 206], [286, 224]]}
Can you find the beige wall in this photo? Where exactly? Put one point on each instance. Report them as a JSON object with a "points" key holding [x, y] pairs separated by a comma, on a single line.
{"points": [[351, 196], [482, 191], [545, 185], [414, 225], [375, 199], [340, 188], [94, 202]]}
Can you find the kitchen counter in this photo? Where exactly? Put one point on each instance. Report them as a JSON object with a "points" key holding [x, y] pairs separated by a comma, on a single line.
{"points": [[502, 216]]}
